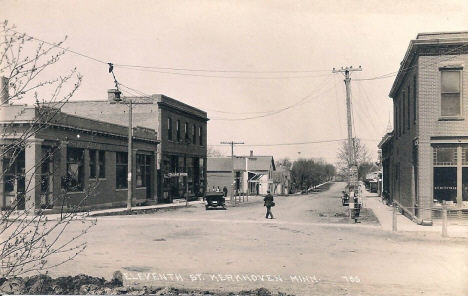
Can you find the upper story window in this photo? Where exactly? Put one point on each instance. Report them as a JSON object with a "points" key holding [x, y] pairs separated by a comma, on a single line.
{"points": [[169, 129], [178, 130], [403, 106], [408, 108], [194, 134], [200, 135], [414, 100], [400, 117], [395, 119], [186, 131], [450, 98]]}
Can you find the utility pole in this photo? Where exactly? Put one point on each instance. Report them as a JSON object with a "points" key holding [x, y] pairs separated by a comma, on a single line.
{"points": [[232, 143], [352, 169], [117, 99]]}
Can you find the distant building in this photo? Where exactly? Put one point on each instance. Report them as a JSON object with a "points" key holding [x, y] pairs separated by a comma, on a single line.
{"points": [[183, 134], [426, 162], [258, 180], [282, 180], [46, 153]]}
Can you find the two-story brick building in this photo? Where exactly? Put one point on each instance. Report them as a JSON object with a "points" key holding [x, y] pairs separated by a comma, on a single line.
{"points": [[182, 130], [429, 153]]}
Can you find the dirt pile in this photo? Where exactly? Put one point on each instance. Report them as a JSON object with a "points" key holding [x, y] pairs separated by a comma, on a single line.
{"points": [[87, 285], [79, 284]]}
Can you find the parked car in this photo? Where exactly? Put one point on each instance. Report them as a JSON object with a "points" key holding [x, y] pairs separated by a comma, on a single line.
{"points": [[215, 199]]}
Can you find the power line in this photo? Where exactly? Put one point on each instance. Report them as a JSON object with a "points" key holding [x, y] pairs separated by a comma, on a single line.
{"points": [[57, 46], [304, 100], [218, 71], [224, 77], [158, 69], [337, 106], [271, 111], [276, 112], [370, 102], [290, 144]]}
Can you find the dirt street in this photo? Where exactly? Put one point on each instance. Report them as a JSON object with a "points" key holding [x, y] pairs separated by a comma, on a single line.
{"points": [[308, 249]]}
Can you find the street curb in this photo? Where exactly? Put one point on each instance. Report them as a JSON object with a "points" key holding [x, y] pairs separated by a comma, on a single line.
{"points": [[96, 213]]}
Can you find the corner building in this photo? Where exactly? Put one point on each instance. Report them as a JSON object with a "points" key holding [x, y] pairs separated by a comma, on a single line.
{"points": [[429, 158], [45, 152], [182, 130]]}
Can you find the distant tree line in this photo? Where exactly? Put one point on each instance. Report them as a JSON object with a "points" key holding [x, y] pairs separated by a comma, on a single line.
{"points": [[308, 173]]}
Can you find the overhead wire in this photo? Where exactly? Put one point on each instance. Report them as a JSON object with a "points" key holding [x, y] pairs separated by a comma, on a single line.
{"points": [[61, 47], [223, 76], [337, 107], [384, 76], [290, 144], [367, 114], [276, 112], [271, 111], [220, 71], [361, 87]]}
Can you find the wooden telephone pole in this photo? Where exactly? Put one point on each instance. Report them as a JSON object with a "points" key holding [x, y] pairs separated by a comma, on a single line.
{"points": [[232, 143], [352, 166]]}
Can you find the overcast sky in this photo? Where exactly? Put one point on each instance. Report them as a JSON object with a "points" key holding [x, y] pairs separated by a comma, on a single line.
{"points": [[261, 69]]}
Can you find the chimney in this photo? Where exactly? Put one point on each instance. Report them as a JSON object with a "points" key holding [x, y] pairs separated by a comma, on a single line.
{"points": [[251, 153], [113, 95], [4, 94]]}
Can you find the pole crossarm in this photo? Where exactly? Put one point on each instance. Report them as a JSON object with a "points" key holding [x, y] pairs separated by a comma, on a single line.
{"points": [[346, 70]]}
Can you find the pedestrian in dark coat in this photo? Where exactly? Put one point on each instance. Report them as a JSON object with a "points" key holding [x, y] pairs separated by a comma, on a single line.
{"points": [[268, 199], [225, 191]]}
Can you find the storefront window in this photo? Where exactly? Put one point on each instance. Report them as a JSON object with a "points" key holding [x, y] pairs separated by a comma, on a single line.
{"points": [[121, 170], [74, 181], [14, 164], [142, 170], [447, 166], [465, 184], [445, 184]]}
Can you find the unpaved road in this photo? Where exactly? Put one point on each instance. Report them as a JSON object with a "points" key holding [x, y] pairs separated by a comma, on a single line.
{"points": [[309, 249]]}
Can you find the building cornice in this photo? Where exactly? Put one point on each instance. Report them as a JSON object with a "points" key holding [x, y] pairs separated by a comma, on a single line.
{"points": [[427, 47]]}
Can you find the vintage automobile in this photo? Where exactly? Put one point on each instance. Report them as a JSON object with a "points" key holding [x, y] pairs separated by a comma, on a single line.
{"points": [[215, 199]]}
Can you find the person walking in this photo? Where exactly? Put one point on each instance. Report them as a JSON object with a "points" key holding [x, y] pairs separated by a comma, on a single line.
{"points": [[268, 199], [225, 191]]}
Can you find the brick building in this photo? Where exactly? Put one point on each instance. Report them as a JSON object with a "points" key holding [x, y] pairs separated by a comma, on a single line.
{"points": [[50, 159], [182, 130], [428, 162]]}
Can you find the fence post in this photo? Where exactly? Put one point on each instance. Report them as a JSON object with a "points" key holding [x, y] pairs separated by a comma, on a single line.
{"points": [[394, 226], [444, 221]]}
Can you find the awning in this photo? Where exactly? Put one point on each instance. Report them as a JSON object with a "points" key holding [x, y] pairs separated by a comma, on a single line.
{"points": [[256, 178]]}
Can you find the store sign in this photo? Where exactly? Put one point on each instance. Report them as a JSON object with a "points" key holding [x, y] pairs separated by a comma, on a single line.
{"points": [[172, 175]]}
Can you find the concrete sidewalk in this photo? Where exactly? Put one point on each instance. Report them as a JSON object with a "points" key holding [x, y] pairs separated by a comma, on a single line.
{"points": [[456, 228], [175, 204]]}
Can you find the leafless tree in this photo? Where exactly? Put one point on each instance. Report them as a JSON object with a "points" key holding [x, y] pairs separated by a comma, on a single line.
{"points": [[213, 152], [362, 157], [29, 238]]}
